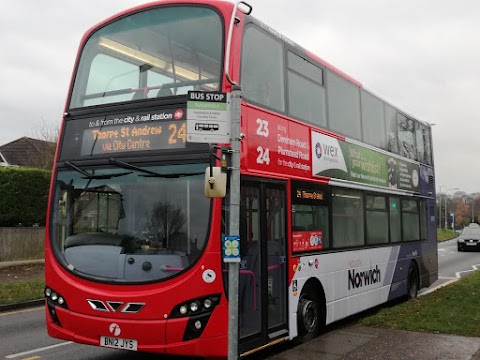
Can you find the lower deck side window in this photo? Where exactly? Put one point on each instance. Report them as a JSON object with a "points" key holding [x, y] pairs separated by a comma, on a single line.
{"points": [[347, 218], [410, 220]]}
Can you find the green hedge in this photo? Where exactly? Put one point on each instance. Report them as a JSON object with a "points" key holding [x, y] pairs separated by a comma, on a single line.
{"points": [[23, 196]]}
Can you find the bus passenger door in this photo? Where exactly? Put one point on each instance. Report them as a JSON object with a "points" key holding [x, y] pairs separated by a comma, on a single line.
{"points": [[263, 269]]}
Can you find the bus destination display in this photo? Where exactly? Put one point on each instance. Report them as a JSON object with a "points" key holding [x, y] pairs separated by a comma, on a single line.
{"points": [[155, 130], [309, 194]]}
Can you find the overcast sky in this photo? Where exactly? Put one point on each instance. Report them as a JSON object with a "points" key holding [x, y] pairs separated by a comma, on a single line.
{"points": [[421, 56]]}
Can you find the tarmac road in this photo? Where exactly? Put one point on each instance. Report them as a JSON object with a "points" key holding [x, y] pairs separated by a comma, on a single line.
{"points": [[349, 340]]}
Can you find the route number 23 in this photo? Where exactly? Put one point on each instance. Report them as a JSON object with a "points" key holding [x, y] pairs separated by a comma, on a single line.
{"points": [[262, 129]]}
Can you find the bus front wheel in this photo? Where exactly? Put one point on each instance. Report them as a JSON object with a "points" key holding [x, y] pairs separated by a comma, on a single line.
{"points": [[310, 315]]}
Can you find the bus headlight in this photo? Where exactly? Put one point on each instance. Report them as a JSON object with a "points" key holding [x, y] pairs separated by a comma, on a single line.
{"points": [[54, 299], [207, 303], [198, 306], [194, 306]]}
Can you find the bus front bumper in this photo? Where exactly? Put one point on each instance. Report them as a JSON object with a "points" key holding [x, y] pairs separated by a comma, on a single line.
{"points": [[155, 336]]}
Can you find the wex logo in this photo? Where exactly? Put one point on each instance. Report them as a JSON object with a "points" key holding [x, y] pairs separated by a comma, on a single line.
{"points": [[363, 278], [318, 150], [327, 150], [326, 154]]}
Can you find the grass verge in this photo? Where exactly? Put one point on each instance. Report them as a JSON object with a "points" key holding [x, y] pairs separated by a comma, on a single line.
{"points": [[453, 309], [447, 234], [21, 291]]}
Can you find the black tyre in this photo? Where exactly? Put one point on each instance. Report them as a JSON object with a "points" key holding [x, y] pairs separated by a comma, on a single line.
{"points": [[413, 282], [310, 315]]}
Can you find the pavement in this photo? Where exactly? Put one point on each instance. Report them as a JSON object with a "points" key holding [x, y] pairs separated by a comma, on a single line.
{"points": [[20, 262], [348, 340], [354, 342]]}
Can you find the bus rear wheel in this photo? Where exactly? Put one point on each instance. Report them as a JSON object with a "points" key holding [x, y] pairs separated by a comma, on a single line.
{"points": [[310, 315], [413, 282]]}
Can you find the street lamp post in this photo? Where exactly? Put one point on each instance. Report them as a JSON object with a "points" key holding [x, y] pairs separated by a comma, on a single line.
{"points": [[446, 191], [473, 212], [440, 208], [471, 201]]}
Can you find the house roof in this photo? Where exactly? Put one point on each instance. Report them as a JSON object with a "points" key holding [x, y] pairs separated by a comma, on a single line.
{"points": [[25, 151]]}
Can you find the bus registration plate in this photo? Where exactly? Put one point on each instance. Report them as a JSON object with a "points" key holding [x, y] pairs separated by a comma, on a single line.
{"points": [[118, 343]]}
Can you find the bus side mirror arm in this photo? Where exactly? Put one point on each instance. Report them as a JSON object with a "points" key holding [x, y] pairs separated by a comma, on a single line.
{"points": [[234, 21]]}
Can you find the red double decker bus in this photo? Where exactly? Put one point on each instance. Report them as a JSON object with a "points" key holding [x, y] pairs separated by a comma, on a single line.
{"points": [[337, 190]]}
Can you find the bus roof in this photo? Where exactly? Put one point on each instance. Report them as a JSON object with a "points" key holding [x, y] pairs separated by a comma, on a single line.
{"points": [[225, 7]]}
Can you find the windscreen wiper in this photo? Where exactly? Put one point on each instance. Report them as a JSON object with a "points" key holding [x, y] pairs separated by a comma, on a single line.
{"points": [[89, 176], [150, 173]]}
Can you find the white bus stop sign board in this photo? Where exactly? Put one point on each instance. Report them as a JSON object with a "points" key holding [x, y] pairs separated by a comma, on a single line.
{"points": [[208, 117]]}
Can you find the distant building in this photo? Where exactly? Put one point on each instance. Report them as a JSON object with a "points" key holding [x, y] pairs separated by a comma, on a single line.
{"points": [[28, 152]]}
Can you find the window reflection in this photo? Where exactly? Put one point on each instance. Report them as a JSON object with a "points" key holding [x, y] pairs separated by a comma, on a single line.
{"points": [[111, 227], [147, 55]]}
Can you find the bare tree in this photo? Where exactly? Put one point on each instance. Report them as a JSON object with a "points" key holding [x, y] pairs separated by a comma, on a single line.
{"points": [[166, 222], [48, 134]]}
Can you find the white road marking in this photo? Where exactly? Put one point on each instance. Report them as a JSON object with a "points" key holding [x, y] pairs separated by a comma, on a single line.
{"points": [[457, 277], [474, 268], [38, 350]]}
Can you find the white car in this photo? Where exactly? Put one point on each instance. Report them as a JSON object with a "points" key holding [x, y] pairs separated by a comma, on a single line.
{"points": [[469, 238]]}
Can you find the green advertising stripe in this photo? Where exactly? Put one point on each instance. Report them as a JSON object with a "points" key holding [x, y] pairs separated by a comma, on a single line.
{"points": [[203, 105], [364, 165], [370, 167]]}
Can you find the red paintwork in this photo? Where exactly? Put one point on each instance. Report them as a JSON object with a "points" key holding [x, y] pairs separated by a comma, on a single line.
{"points": [[83, 324], [154, 332]]}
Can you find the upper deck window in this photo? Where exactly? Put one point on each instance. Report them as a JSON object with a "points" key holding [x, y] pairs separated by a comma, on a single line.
{"points": [[373, 120], [343, 100], [154, 53], [262, 69], [406, 136], [306, 94]]}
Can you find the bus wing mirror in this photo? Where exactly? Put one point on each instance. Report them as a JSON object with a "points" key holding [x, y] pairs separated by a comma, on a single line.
{"points": [[215, 183]]}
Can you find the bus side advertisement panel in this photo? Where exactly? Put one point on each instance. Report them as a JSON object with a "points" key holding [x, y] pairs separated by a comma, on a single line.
{"points": [[343, 160], [277, 145]]}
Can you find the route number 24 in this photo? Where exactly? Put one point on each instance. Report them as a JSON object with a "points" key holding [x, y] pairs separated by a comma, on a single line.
{"points": [[263, 155]]}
